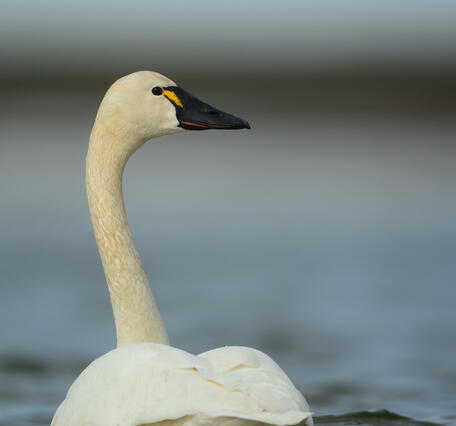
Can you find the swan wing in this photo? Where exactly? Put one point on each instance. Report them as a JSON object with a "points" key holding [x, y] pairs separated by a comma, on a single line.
{"points": [[147, 383]]}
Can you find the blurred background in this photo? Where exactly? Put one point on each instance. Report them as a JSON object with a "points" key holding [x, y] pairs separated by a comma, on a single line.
{"points": [[324, 236]]}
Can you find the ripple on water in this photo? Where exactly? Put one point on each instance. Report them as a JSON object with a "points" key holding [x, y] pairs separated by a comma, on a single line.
{"points": [[374, 417]]}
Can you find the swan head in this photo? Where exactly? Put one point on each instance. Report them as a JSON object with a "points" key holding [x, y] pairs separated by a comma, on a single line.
{"points": [[146, 104]]}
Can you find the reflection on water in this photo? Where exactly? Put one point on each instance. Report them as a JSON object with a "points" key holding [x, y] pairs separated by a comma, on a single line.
{"points": [[326, 241]]}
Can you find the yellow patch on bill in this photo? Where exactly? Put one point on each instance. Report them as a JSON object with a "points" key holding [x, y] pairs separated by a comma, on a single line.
{"points": [[173, 97]]}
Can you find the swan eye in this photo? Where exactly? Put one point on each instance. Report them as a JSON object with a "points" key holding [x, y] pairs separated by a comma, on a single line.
{"points": [[157, 91]]}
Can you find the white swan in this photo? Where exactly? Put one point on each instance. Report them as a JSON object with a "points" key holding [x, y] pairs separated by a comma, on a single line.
{"points": [[145, 381]]}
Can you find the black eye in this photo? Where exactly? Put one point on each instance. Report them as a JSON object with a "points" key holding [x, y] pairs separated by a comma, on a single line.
{"points": [[157, 91]]}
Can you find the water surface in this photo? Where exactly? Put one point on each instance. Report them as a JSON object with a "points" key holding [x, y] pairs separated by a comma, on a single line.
{"points": [[325, 239]]}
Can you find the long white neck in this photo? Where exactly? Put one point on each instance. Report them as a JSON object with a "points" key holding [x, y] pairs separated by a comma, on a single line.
{"points": [[135, 312]]}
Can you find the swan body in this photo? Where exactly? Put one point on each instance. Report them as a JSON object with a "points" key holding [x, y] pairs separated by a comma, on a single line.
{"points": [[148, 383], [145, 381]]}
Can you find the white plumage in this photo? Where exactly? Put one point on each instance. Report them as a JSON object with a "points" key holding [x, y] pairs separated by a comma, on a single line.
{"points": [[148, 383], [144, 381]]}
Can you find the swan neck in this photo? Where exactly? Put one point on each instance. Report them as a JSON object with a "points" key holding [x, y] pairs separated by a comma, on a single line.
{"points": [[135, 312]]}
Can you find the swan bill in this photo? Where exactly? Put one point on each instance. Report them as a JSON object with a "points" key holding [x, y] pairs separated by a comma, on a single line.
{"points": [[194, 114]]}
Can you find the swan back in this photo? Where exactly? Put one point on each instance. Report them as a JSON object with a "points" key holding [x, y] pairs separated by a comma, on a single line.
{"points": [[149, 383]]}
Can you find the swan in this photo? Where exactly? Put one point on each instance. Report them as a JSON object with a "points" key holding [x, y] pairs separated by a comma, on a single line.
{"points": [[144, 380]]}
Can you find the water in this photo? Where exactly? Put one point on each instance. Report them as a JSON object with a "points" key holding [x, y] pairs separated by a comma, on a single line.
{"points": [[325, 239]]}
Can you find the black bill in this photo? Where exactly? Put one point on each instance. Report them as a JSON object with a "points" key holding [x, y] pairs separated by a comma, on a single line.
{"points": [[194, 114]]}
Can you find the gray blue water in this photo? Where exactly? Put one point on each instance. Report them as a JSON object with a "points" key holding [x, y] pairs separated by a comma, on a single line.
{"points": [[325, 239]]}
